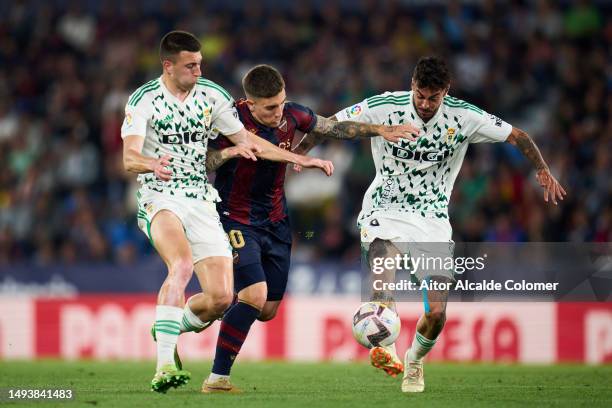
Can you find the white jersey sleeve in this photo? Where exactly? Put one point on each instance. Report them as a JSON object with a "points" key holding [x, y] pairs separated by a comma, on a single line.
{"points": [[224, 116], [360, 112], [134, 122], [489, 128], [378, 109]]}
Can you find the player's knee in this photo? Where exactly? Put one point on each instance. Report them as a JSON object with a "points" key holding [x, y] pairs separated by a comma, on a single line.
{"points": [[255, 295], [180, 272], [255, 298], [220, 301], [377, 249]]}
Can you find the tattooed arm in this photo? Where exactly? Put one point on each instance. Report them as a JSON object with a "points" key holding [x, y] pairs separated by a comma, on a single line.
{"points": [[266, 150], [215, 159], [527, 146], [330, 128]]}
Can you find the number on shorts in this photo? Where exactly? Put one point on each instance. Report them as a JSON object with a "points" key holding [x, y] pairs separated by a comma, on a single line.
{"points": [[236, 239]]}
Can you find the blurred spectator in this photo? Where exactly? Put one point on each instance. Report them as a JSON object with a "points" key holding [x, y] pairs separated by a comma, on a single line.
{"points": [[66, 73]]}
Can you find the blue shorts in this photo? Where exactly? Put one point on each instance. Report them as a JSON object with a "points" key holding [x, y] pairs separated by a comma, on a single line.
{"points": [[259, 256]]}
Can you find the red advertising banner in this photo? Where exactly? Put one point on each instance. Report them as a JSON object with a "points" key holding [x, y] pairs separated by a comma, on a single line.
{"points": [[584, 332], [117, 327]]}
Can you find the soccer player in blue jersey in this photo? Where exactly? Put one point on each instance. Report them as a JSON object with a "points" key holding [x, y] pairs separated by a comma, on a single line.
{"points": [[253, 208]]}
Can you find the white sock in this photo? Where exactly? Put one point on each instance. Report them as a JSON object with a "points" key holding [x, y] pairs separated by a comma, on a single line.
{"points": [[189, 321], [167, 320], [214, 377], [391, 349], [420, 347]]}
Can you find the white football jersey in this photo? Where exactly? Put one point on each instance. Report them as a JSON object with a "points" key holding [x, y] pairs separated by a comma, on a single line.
{"points": [[181, 130], [419, 176]]}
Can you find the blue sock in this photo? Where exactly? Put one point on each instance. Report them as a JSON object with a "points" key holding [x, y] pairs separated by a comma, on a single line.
{"points": [[233, 332]]}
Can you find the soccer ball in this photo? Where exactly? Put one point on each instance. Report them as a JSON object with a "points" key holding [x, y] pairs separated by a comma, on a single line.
{"points": [[374, 324]]}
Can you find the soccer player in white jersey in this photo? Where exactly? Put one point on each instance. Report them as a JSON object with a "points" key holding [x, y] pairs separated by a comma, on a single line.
{"points": [[168, 122], [408, 200]]}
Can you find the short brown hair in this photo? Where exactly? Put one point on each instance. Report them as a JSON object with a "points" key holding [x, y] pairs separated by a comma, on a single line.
{"points": [[176, 41], [431, 73], [263, 81]]}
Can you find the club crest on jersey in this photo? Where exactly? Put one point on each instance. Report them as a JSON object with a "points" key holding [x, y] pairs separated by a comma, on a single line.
{"points": [[207, 112], [283, 126], [450, 134]]}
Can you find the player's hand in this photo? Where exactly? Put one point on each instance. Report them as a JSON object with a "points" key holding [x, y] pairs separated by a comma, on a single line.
{"points": [[326, 166], [394, 134], [238, 150], [551, 186], [297, 168], [249, 144], [160, 168], [249, 149]]}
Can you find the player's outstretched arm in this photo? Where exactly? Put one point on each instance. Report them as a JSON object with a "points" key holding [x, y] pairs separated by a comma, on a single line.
{"points": [[552, 188], [330, 128], [135, 162], [271, 152], [216, 158], [258, 147], [241, 138]]}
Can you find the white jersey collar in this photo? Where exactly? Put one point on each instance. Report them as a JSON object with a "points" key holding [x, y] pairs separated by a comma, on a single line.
{"points": [[171, 96]]}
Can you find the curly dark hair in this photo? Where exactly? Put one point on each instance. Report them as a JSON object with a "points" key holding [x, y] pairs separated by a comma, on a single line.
{"points": [[431, 73]]}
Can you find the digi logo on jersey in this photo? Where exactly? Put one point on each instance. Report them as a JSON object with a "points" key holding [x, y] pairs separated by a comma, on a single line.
{"points": [[183, 138], [428, 156]]}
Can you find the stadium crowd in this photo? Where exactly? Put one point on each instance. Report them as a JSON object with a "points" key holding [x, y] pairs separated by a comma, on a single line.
{"points": [[66, 73]]}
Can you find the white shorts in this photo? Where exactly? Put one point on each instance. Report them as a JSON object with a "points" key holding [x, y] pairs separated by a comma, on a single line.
{"points": [[415, 235], [200, 221]]}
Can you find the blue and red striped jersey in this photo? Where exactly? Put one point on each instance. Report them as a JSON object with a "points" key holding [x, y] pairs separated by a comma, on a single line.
{"points": [[253, 193]]}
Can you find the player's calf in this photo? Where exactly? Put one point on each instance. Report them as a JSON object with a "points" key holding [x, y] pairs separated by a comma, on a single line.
{"points": [[414, 380], [233, 332], [234, 329], [269, 310], [377, 250], [429, 328], [433, 322]]}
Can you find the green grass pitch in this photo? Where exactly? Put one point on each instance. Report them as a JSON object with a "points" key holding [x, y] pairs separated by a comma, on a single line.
{"points": [[279, 384]]}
